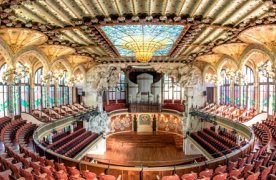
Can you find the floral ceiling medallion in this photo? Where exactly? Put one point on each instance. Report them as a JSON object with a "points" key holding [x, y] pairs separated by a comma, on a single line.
{"points": [[143, 41]]}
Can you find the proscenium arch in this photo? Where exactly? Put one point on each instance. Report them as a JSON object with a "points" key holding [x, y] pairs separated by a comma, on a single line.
{"points": [[35, 52], [65, 63], [255, 48], [6, 52]]}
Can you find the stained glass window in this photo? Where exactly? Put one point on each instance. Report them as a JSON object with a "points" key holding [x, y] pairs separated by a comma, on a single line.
{"points": [[63, 90], [267, 94], [38, 98], [248, 95], [224, 89], [122, 35], [170, 89], [4, 102], [118, 92]]}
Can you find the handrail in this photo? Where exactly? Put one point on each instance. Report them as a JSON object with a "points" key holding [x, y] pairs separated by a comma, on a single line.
{"points": [[181, 169]]}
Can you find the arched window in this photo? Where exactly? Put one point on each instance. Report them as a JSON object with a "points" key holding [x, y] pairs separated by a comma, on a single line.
{"points": [[248, 94], [38, 97], [63, 90], [118, 92], [267, 94], [236, 93], [171, 89], [224, 88], [21, 94], [4, 102]]}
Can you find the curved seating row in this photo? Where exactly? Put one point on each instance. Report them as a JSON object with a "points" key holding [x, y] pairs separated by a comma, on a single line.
{"points": [[257, 165], [23, 163]]}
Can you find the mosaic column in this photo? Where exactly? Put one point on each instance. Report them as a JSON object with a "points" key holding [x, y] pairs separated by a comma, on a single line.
{"points": [[10, 98], [56, 94], [187, 116]]}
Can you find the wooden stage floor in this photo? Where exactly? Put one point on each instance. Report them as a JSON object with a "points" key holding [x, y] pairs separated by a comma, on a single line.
{"points": [[149, 149]]}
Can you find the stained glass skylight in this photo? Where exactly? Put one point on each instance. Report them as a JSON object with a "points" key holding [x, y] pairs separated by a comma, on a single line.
{"points": [[125, 37]]}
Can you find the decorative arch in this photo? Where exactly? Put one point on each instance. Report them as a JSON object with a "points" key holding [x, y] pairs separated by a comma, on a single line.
{"points": [[81, 68], [206, 68], [64, 62], [223, 61], [254, 48], [33, 51], [6, 52]]}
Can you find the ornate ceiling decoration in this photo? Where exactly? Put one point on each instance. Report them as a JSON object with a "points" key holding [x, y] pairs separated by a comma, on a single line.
{"points": [[18, 38], [233, 50], [76, 60], [210, 58], [263, 34], [75, 23], [55, 51]]}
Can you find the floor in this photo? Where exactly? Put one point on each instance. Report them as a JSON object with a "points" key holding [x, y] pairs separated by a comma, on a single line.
{"points": [[149, 149]]}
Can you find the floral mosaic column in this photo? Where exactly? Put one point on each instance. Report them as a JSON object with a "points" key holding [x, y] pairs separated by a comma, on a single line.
{"points": [[10, 100]]}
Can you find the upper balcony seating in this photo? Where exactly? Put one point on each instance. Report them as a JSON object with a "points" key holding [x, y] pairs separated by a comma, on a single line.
{"points": [[174, 105], [41, 116], [53, 114], [69, 110], [81, 107], [235, 113], [112, 106]]}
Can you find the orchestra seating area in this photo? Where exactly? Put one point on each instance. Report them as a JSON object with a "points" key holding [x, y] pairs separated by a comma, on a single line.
{"points": [[217, 144], [25, 163], [177, 105], [240, 114], [54, 113]]}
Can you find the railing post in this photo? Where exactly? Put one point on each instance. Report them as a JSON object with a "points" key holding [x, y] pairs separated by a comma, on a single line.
{"points": [[141, 172]]}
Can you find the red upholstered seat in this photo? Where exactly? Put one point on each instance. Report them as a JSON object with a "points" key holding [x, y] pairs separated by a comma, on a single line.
{"points": [[61, 175], [206, 173], [89, 175], [174, 177], [191, 176], [253, 176], [221, 176], [220, 169], [236, 172], [107, 177]]}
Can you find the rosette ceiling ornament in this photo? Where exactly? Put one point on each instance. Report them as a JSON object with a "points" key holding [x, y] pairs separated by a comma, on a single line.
{"points": [[143, 41]]}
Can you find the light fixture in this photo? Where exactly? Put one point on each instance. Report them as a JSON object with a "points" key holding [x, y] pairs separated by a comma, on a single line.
{"points": [[143, 48], [52, 76], [14, 75], [266, 70], [230, 73], [74, 80], [211, 78]]}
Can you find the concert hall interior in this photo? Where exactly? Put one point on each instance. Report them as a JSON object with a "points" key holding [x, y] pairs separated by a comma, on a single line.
{"points": [[138, 89]]}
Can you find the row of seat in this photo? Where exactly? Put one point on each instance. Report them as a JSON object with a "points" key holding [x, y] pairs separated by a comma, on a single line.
{"points": [[223, 139], [3, 121], [25, 132], [174, 106], [271, 124], [114, 106], [205, 144], [66, 139], [74, 150]]}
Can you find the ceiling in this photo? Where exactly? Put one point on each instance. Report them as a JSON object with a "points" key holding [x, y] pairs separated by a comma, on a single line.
{"points": [[78, 24]]}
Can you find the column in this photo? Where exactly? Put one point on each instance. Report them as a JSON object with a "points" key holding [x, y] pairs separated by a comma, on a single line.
{"points": [[10, 98], [56, 94], [232, 92], [70, 95], [216, 94], [240, 92], [257, 97], [187, 116], [100, 101], [31, 97]]}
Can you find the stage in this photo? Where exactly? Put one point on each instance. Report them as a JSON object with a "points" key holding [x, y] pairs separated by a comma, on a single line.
{"points": [[149, 149]]}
